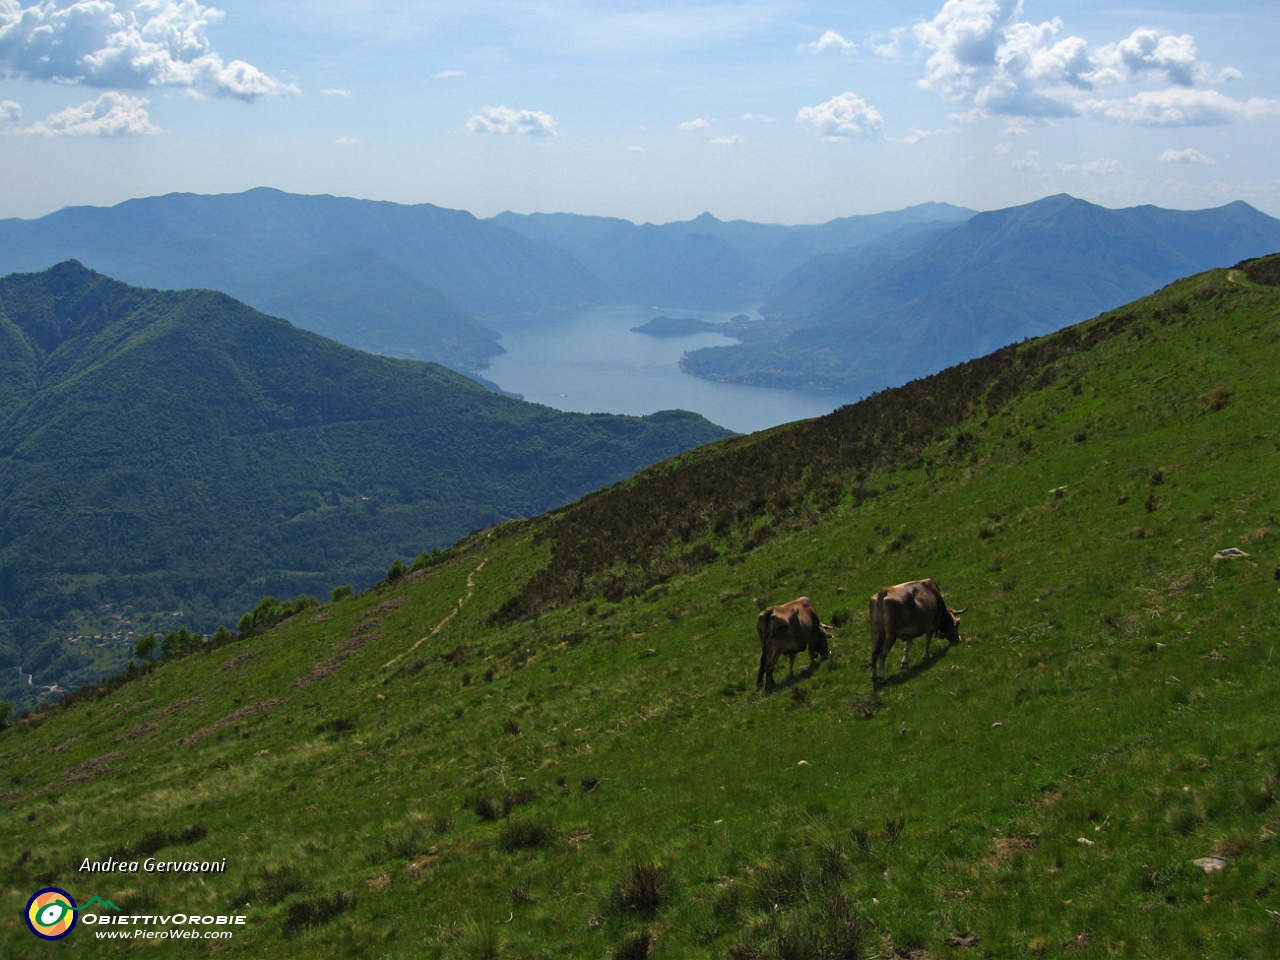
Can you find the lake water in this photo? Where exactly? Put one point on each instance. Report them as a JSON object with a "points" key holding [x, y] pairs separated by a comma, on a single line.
{"points": [[592, 362]]}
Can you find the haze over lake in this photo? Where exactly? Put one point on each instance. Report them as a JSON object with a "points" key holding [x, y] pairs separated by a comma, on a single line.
{"points": [[593, 362]]}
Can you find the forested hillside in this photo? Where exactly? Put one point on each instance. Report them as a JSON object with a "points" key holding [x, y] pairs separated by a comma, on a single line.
{"points": [[169, 458]]}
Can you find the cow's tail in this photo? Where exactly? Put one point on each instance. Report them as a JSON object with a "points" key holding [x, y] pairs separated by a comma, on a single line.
{"points": [[762, 628], [877, 625]]}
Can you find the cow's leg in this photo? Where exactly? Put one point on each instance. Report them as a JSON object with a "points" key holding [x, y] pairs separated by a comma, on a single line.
{"points": [[760, 675], [791, 665], [906, 654], [770, 663], [928, 638]]}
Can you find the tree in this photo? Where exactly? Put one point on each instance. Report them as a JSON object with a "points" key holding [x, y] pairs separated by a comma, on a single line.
{"points": [[145, 647]]}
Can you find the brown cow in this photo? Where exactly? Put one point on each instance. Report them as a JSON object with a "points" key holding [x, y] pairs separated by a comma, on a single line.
{"points": [[905, 612], [789, 628]]}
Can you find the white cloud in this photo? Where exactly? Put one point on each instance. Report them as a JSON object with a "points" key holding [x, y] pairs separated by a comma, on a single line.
{"points": [[110, 115], [726, 141], [1101, 165], [347, 141], [1179, 107], [635, 149], [847, 115], [699, 124], [1227, 74], [830, 41], [913, 136], [1184, 156], [757, 118], [448, 74], [502, 119], [337, 92], [10, 110], [132, 44], [983, 53], [1148, 51], [1025, 165], [892, 47]]}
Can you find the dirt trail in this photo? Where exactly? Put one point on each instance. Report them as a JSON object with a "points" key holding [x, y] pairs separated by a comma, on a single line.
{"points": [[471, 588]]}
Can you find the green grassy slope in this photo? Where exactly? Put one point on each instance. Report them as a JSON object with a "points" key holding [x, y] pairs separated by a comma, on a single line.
{"points": [[549, 743]]}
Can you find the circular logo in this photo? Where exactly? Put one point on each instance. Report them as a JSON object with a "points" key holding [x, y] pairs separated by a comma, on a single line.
{"points": [[51, 913]]}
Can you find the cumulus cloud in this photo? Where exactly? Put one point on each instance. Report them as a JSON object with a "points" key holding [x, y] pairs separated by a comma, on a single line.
{"points": [[1227, 74], [699, 124], [10, 110], [1179, 107], [635, 149], [847, 115], [110, 115], [727, 141], [132, 44], [1184, 156], [1147, 51], [1101, 165], [830, 42], [983, 53], [503, 119]]}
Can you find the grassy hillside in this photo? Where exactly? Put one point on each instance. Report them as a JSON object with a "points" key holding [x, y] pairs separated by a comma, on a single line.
{"points": [[179, 453], [549, 743]]}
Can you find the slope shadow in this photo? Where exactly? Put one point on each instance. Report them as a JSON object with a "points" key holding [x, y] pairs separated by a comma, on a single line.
{"points": [[938, 652]]}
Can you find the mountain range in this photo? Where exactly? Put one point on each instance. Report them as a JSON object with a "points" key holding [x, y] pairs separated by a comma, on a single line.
{"points": [[911, 304], [180, 455], [855, 304]]}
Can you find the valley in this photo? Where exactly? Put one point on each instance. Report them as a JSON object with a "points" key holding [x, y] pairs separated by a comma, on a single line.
{"points": [[548, 742]]}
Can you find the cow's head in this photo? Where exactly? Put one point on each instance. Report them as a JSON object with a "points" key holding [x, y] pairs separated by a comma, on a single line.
{"points": [[822, 646], [951, 625]]}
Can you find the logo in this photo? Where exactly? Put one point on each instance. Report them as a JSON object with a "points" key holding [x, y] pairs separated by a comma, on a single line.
{"points": [[51, 913]]}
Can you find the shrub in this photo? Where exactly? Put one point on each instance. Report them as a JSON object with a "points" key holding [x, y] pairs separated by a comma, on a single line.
{"points": [[634, 946], [341, 593], [396, 571], [643, 889], [524, 834], [315, 912]]}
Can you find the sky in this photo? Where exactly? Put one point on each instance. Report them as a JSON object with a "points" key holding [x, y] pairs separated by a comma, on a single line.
{"points": [[781, 111]]}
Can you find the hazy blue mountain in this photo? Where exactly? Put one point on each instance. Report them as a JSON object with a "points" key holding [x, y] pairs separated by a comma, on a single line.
{"points": [[873, 318], [180, 451], [708, 263], [432, 270]]}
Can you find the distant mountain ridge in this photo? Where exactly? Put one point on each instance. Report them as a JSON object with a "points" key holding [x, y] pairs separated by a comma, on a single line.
{"points": [[706, 263], [867, 320], [405, 279], [179, 451]]}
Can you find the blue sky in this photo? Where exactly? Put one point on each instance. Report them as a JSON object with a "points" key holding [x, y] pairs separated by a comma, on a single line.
{"points": [[790, 112]]}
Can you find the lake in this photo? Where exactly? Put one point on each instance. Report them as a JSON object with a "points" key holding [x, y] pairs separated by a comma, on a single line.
{"points": [[592, 362]]}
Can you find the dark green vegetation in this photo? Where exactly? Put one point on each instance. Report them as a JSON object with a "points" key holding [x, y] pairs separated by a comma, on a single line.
{"points": [[547, 742], [167, 459], [912, 303]]}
